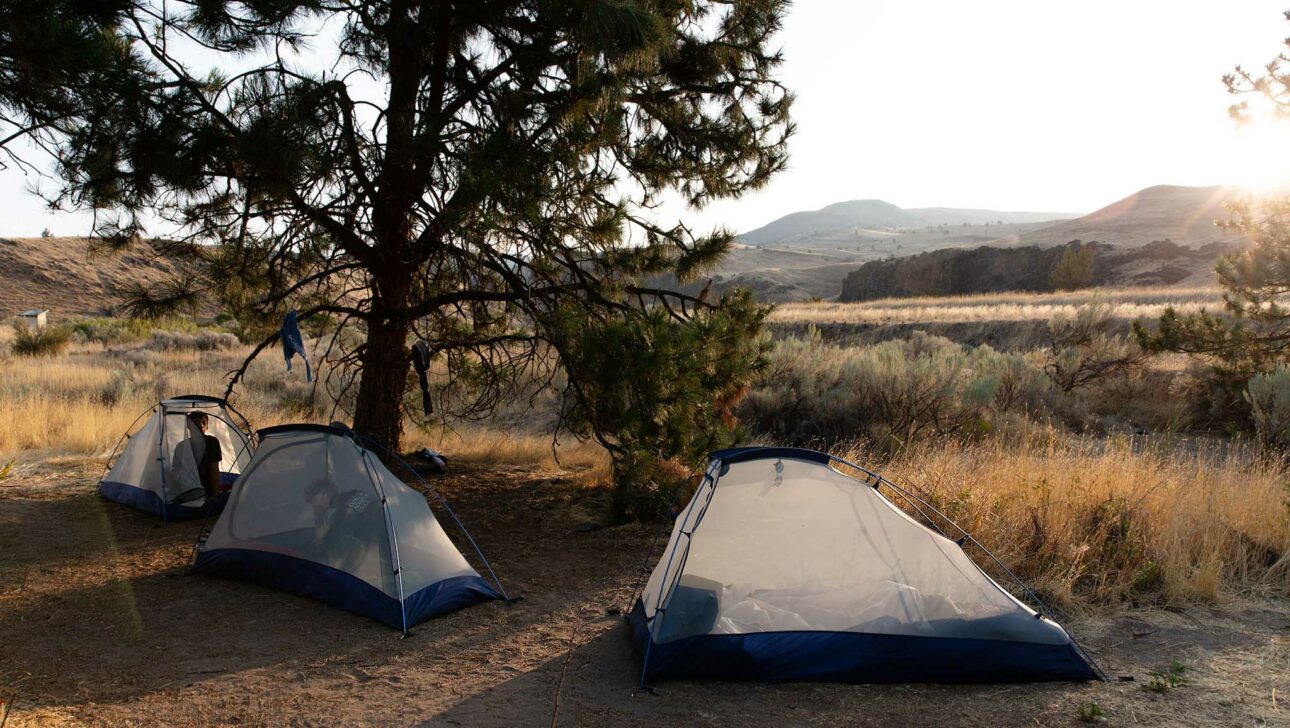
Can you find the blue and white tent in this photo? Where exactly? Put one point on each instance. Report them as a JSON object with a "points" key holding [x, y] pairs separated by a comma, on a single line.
{"points": [[784, 568], [157, 471], [316, 513]]}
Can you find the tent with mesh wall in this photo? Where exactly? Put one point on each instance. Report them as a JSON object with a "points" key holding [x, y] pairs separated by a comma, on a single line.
{"points": [[783, 567], [316, 513], [158, 470]]}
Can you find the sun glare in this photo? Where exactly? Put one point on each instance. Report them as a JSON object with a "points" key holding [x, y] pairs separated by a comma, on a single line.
{"points": [[1259, 159]]}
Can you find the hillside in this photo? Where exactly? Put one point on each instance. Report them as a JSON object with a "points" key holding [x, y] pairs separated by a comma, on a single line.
{"points": [[847, 220], [1028, 268], [1185, 215], [807, 254], [800, 256], [62, 275]]}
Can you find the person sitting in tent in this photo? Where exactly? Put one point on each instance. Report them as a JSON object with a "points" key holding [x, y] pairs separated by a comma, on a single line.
{"points": [[346, 523], [195, 465]]}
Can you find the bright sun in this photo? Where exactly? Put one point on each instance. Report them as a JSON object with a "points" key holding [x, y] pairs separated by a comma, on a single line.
{"points": [[1259, 158]]}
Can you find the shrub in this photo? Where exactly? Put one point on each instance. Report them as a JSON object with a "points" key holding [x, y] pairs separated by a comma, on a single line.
{"points": [[1075, 269], [889, 393], [1018, 386], [199, 341], [49, 341], [1213, 397], [111, 331], [1269, 398], [1082, 350], [659, 487], [1091, 713], [1166, 680]]}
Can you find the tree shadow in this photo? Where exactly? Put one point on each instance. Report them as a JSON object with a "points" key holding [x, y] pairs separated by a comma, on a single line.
{"points": [[96, 607]]}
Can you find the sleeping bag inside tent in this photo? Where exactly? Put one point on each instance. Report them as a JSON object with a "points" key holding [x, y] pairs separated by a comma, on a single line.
{"points": [[160, 469], [318, 514], [784, 568]]}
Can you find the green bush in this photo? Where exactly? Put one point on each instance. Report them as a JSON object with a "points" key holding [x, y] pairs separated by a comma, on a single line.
{"points": [[1166, 680], [1075, 269], [112, 331], [49, 341], [1269, 398], [657, 392]]}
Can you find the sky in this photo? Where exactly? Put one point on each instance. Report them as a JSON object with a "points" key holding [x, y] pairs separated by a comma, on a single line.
{"points": [[1002, 104]]}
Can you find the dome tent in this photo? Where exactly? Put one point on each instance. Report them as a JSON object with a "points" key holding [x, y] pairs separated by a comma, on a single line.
{"points": [[157, 470], [784, 568], [368, 544]]}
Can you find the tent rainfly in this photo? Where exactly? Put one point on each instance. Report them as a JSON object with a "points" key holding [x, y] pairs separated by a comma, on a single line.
{"points": [[316, 513], [157, 471], [784, 568]]}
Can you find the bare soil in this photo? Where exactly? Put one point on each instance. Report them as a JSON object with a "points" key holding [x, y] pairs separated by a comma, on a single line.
{"points": [[99, 625]]}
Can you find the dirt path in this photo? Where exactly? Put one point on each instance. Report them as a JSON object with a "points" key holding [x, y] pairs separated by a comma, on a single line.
{"points": [[100, 626]]}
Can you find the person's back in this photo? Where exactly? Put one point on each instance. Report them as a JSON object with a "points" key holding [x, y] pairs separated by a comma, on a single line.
{"points": [[196, 460]]}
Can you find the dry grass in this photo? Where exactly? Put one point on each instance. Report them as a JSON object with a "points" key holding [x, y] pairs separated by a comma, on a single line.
{"points": [[1087, 521], [1098, 521], [1129, 303], [488, 446], [79, 405]]}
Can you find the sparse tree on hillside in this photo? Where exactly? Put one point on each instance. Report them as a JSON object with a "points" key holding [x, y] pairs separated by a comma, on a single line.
{"points": [[479, 175], [1075, 269]]}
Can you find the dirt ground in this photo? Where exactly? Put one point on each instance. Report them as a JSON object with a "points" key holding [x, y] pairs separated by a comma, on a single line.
{"points": [[99, 625]]}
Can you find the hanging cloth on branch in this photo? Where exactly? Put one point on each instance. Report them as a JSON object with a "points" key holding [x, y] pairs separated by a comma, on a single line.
{"points": [[293, 343], [421, 355]]}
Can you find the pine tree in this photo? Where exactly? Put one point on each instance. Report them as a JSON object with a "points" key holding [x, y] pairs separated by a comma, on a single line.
{"points": [[1075, 269], [61, 66], [480, 175], [1252, 333]]}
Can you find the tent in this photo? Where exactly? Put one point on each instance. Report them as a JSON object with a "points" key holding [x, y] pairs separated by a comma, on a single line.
{"points": [[317, 513], [157, 471], [782, 567]]}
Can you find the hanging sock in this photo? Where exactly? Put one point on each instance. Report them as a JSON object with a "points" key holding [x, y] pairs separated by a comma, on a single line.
{"points": [[293, 343], [421, 362]]}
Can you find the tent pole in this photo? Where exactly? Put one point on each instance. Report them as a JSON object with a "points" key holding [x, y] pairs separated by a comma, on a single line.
{"points": [[246, 442], [161, 458], [107, 467], [709, 476], [1043, 608], [446, 507], [246, 424], [392, 533]]}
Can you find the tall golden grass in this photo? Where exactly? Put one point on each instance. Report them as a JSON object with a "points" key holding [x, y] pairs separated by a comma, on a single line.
{"points": [[1129, 303], [1087, 521], [82, 403], [1103, 521]]}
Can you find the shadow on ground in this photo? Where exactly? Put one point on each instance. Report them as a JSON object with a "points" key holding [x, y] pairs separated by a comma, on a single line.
{"points": [[100, 626]]}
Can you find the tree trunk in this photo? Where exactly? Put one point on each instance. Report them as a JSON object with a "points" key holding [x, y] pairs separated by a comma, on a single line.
{"points": [[378, 413]]}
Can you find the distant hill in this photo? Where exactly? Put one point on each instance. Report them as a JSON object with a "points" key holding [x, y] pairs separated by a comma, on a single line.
{"points": [[806, 254], [962, 271], [856, 216], [60, 274], [1185, 215]]}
